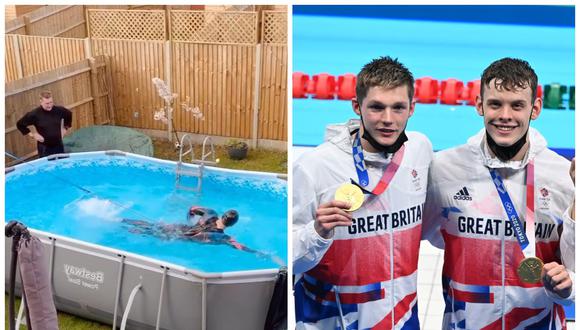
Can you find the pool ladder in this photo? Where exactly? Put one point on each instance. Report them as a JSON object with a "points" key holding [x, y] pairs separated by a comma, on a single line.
{"points": [[197, 172]]}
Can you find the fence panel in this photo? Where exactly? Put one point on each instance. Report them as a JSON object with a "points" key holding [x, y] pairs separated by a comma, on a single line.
{"points": [[39, 54], [15, 26], [209, 64], [273, 98], [127, 24], [56, 21], [214, 27], [29, 55], [214, 61], [133, 66], [10, 61], [101, 91], [272, 120], [76, 31], [218, 79]]}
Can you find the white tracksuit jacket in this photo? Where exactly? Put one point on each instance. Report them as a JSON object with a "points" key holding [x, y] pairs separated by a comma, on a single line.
{"points": [[464, 215], [372, 264]]}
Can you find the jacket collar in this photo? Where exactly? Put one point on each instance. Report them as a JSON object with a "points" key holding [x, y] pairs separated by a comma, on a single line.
{"points": [[340, 136], [478, 146]]}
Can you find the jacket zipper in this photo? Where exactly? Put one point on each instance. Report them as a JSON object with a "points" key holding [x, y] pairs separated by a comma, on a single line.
{"points": [[503, 282], [392, 264]]}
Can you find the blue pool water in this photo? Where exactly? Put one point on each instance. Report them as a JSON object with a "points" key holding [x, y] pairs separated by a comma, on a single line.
{"points": [[340, 44], [86, 197]]}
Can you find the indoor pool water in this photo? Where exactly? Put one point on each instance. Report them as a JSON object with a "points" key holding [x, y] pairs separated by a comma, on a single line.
{"points": [[86, 198], [453, 52]]}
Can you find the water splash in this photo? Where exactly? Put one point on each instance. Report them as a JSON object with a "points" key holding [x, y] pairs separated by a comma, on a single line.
{"points": [[97, 208]]}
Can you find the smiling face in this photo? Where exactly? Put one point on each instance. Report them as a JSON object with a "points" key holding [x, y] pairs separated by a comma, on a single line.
{"points": [[385, 112], [507, 113]]}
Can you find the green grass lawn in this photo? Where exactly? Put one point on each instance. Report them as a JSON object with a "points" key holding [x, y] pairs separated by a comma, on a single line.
{"points": [[257, 160], [65, 321]]}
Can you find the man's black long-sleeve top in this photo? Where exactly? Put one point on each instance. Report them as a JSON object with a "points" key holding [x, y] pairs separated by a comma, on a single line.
{"points": [[47, 123]]}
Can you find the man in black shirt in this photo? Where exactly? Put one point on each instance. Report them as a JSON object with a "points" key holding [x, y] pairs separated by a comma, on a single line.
{"points": [[51, 123]]}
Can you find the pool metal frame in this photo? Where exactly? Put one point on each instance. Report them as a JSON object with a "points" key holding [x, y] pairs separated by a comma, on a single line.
{"points": [[119, 287]]}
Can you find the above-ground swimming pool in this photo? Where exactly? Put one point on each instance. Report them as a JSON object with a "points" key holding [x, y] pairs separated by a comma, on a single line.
{"points": [[76, 204]]}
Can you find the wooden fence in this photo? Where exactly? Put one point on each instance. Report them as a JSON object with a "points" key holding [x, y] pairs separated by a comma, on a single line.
{"points": [[273, 122], [214, 69], [69, 21], [218, 79], [83, 87], [133, 66], [55, 21], [211, 60], [29, 55]]}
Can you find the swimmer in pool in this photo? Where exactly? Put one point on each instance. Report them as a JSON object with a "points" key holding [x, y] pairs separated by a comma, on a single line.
{"points": [[209, 228]]}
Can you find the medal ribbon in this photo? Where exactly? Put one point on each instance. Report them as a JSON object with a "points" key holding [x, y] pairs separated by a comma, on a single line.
{"points": [[525, 239], [359, 161], [361, 170]]}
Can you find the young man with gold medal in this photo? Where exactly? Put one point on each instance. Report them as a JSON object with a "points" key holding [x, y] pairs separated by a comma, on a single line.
{"points": [[357, 210], [502, 208]]}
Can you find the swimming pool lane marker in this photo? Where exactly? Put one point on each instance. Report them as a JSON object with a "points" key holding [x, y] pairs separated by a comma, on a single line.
{"points": [[428, 90]]}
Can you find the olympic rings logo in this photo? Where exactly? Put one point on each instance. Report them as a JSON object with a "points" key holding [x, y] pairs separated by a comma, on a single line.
{"points": [[508, 207]]}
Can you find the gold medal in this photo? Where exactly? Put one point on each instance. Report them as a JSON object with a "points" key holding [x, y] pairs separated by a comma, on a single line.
{"points": [[350, 193], [530, 270]]}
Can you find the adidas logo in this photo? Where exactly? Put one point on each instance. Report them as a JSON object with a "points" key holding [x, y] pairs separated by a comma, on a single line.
{"points": [[462, 195]]}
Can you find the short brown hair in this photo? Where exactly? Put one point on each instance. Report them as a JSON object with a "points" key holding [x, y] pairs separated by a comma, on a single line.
{"points": [[509, 74], [45, 94], [384, 72]]}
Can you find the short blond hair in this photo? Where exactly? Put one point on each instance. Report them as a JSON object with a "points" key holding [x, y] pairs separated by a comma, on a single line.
{"points": [[45, 94]]}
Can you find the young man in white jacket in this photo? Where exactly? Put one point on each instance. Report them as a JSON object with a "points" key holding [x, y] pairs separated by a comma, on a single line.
{"points": [[356, 268], [502, 208]]}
